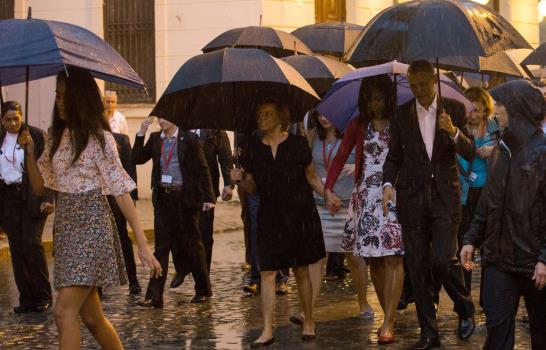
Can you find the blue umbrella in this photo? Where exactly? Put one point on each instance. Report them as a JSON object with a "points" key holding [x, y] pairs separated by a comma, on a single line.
{"points": [[33, 49], [340, 104]]}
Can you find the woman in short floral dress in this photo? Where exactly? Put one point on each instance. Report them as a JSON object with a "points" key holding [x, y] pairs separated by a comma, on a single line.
{"points": [[368, 232], [81, 163]]}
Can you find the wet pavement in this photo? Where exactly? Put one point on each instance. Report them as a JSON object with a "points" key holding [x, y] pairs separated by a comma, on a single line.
{"points": [[232, 320]]}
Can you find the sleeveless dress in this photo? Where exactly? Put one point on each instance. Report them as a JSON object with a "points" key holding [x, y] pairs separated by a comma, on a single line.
{"points": [[367, 232]]}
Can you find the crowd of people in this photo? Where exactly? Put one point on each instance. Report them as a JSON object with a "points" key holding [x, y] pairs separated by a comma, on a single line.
{"points": [[408, 192]]}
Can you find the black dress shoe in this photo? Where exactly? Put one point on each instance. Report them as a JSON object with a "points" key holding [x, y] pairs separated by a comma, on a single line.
{"points": [[403, 303], [426, 343], [257, 344], [134, 289], [23, 309], [41, 307], [177, 280], [199, 299], [466, 327], [149, 303]]}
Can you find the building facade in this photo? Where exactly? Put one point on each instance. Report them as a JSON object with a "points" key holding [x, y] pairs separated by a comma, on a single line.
{"points": [[158, 36]]}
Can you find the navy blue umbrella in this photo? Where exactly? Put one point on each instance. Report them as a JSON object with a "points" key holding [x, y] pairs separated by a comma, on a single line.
{"points": [[332, 38], [33, 49], [222, 89]]}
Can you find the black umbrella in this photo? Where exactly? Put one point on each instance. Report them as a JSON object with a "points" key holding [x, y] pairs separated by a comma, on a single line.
{"points": [[537, 57], [333, 38], [276, 42], [430, 29], [500, 62], [320, 72], [222, 89], [433, 29]]}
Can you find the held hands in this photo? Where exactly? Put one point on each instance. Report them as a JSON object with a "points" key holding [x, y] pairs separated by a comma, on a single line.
{"points": [[484, 151], [46, 208], [236, 174], [208, 206], [540, 275], [333, 203], [388, 197], [147, 259], [348, 169], [145, 125], [467, 255], [444, 123], [227, 193]]}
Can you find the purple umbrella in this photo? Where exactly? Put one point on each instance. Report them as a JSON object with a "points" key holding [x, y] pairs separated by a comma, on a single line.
{"points": [[340, 104]]}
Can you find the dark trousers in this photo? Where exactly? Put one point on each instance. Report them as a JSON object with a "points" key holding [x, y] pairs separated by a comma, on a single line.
{"points": [[206, 227], [501, 294], [176, 224], [27, 253], [126, 242], [432, 245], [335, 265], [245, 217], [407, 290], [467, 215]]}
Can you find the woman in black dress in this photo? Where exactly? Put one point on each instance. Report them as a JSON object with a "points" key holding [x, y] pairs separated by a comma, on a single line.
{"points": [[279, 167]]}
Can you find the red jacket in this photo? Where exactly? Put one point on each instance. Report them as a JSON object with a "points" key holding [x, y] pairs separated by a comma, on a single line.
{"points": [[353, 136]]}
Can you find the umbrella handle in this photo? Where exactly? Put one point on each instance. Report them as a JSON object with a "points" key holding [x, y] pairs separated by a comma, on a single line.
{"points": [[439, 106]]}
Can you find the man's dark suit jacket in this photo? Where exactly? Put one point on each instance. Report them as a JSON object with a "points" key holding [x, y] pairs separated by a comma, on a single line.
{"points": [[411, 171], [217, 150], [196, 181], [124, 150], [33, 202]]}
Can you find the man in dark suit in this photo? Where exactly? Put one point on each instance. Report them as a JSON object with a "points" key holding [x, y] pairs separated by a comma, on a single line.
{"points": [[182, 188], [426, 135], [217, 151], [124, 150], [23, 214]]}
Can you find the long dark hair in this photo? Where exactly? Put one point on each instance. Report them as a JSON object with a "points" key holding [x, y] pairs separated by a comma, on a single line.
{"points": [[321, 132], [84, 111], [386, 87]]}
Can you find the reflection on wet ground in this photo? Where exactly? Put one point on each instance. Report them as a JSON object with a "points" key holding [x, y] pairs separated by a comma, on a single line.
{"points": [[232, 320]]}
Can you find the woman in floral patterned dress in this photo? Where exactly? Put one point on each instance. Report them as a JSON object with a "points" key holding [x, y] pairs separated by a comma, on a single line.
{"points": [[368, 232], [80, 162]]}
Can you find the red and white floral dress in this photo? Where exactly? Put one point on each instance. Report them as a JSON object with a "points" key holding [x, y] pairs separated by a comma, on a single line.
{"points": [[368, 232]]}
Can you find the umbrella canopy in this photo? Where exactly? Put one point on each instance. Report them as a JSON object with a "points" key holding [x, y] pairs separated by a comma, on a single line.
{"points": [[430, 29], [504, 62], [47, 47], [332, 38], [340, 104], [276, 42], [320, 72], [222, 89], [537, 57]]}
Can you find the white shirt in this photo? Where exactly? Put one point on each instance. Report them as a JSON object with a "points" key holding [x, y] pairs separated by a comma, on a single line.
{"points": [[118, 123], [197, 131], [427, 124], [11, 160]]}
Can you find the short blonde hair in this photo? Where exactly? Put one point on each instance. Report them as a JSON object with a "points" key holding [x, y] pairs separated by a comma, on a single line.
{"points": [[110, 93], [478, 94]]}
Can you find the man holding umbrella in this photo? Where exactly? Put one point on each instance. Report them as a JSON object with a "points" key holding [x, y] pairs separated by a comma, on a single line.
{"points": [[426, 136]]}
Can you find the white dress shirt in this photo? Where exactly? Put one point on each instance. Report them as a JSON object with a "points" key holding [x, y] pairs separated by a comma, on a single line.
{"points": [[427, 124], [11, 160], [118, 123]]}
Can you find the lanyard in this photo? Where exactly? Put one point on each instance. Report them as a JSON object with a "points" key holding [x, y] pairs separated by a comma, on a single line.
{"points": [[167, 160], [12, 161], [327, 160]]}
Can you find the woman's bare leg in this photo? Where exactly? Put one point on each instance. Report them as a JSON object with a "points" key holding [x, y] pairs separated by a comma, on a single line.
{"points": [[94, 319], [359, 272], [305, 292], [67, 315], [377, 272], [268, 302], [394, 281]]}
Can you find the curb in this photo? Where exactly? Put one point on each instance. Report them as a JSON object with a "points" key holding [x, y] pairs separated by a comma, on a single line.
{"points": [[150, 234]]}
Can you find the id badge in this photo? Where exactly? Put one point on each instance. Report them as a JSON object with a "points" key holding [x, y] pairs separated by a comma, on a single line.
{"points": [[166, 179], [323, 180], [473, 176]]}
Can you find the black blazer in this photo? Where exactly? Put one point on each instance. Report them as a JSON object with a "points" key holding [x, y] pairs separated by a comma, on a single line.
{"points": [[217, 152], [124, 150], [410, 170], [33, 201], [196, 181]]}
